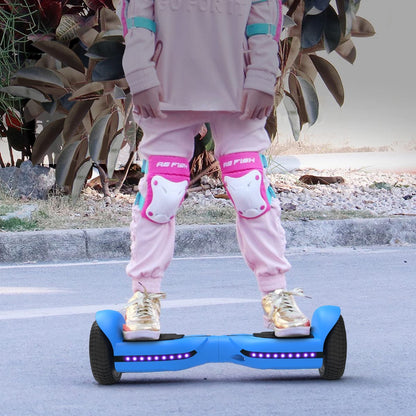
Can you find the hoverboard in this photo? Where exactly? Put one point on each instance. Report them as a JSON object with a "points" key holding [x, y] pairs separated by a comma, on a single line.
{"points": [[325, 349]]}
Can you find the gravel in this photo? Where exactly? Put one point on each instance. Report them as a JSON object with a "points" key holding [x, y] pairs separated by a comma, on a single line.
{"points": [[361, 193]]}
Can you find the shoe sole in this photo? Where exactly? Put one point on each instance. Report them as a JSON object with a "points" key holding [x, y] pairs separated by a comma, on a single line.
{"points": [[141, 335], [300, 331]]}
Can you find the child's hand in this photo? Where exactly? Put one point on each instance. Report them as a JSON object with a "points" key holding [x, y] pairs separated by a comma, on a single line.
{"points": [[256, 104], [147, 103]]}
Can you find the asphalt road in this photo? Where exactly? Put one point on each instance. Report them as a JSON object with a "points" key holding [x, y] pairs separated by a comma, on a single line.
{"points": [[46, 312]]}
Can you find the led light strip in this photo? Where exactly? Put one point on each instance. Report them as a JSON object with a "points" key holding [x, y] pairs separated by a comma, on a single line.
{"points": [[281, 355], [154, 358]]}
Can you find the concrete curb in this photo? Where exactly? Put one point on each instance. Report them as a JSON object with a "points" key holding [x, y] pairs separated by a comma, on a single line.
{"points": [[197, 240]]}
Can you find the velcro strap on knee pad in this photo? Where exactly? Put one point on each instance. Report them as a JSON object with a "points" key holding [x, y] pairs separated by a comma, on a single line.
{"points": [[167, 181], [243, 178]]}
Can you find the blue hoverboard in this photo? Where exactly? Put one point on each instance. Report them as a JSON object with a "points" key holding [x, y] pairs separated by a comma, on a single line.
{"points": [[325, 348]]}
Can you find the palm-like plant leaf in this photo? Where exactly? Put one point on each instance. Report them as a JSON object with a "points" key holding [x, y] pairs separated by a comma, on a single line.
{"points": [[75, 118], [362, 28], [80, 177], [26, 92], [313, 27], [347, 50], [40, 75], [310, 98], [65, 159], [105, 49], [89, 91], [98, 137], [330, 77], [332, 31], [62, 53], [293, 114], [113, 152], [46, 139], [296, 95], [319, 27]]}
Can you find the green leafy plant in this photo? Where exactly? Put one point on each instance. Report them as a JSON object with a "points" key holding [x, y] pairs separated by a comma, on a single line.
{"points": [[312, 26], [309, 28], [73, 80], [78, 83], [17, 19]]}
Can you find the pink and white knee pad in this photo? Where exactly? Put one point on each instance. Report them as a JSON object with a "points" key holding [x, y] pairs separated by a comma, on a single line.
{"points": [[243, 178], [167, 179]]}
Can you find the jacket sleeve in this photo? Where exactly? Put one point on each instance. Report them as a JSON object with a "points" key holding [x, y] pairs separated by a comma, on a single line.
{"points": [[138, 22], [263, 67]]}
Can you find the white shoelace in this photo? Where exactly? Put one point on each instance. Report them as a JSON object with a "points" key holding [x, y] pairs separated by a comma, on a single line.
{"points": [[283, 300], [147, 308]]}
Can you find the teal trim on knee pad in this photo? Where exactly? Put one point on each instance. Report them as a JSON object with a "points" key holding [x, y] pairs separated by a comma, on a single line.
{"points": [[145, 166], [140, 200], [271, 194], [270, 191]]}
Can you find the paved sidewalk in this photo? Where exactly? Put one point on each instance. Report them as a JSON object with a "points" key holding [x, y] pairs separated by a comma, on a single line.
{"points": [[96, 244], [369, 161]]}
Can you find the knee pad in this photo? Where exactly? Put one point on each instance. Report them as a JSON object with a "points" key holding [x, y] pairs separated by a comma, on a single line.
{"points": [[243, 178], [167, 179]]}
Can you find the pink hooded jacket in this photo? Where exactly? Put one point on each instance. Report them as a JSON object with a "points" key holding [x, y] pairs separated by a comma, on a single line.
{"points": [[202, 53]]}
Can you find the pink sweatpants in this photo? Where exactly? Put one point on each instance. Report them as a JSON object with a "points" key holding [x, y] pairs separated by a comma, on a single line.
{"points": [[261, 240]]}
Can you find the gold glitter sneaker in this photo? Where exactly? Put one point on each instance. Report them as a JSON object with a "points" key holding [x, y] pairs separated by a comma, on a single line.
{"points": [[142, 316], [283, 315]]}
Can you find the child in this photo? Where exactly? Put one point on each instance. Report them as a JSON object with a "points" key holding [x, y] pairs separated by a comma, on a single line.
{"points": [[189, 62]]}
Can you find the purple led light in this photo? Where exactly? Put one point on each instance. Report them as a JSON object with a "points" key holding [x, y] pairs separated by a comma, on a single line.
{"points": [[157, 357], [281, 355]]}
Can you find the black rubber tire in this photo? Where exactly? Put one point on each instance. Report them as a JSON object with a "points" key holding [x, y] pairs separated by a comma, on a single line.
{"points": [[335, 352], [101, 357]]}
